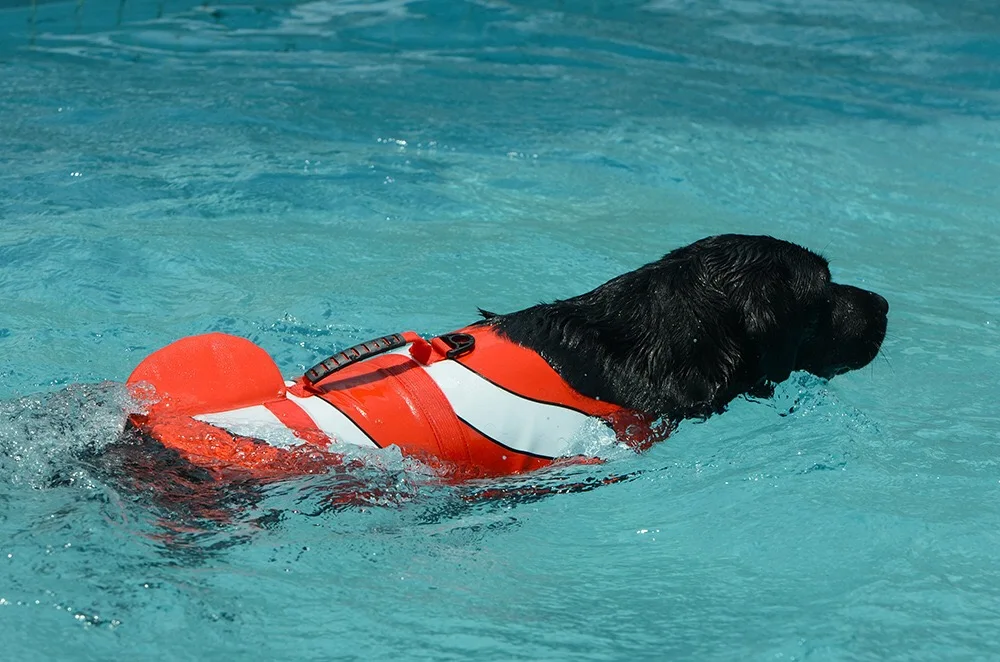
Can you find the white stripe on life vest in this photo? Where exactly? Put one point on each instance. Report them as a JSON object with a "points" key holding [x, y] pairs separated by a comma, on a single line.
{"points": [[516, 422], [256, 421], [334, 423]]}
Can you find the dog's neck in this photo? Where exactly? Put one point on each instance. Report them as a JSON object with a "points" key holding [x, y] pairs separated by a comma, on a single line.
{"points": [[640, 356]]}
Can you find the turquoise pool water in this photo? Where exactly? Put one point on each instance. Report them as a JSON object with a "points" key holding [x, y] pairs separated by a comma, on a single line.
{"points": [[313, 174]]}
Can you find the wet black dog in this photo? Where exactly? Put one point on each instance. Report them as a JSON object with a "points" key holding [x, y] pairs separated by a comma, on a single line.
{"points": [[685, 335], [678, 338]]}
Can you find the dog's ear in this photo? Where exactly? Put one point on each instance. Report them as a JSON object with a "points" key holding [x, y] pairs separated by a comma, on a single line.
{"points": [[779, 305], [773, 320]]}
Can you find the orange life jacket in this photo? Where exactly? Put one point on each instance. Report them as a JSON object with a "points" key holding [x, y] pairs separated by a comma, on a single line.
{"points": [[470, 403]]}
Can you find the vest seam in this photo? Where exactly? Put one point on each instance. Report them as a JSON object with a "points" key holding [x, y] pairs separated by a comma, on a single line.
{"points": [[535, 400]]}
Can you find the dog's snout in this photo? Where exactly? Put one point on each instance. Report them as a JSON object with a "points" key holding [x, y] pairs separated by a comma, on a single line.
{"points": [[880, 303]]}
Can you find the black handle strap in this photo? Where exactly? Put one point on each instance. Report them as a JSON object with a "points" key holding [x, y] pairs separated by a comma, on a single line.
{"points": [[330, 365]]}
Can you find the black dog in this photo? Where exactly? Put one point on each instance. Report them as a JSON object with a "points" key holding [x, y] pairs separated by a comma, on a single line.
{"points": [[685, 335], [678, 338]]}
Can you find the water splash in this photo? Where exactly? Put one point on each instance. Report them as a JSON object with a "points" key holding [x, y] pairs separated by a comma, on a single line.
{"points": [[44, 438]]}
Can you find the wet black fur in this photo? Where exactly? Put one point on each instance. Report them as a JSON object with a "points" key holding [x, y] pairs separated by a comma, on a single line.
{"points": [[683, 336]]}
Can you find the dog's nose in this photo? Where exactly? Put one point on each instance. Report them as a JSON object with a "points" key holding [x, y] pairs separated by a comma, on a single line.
{"points": [[880, 303]]}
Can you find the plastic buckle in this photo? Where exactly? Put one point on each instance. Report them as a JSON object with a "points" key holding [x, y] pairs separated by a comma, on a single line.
{"points": [[460, 343]]}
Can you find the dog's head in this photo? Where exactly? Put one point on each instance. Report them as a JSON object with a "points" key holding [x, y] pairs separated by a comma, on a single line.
{"points": [[777, 310], [726, 316]]}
